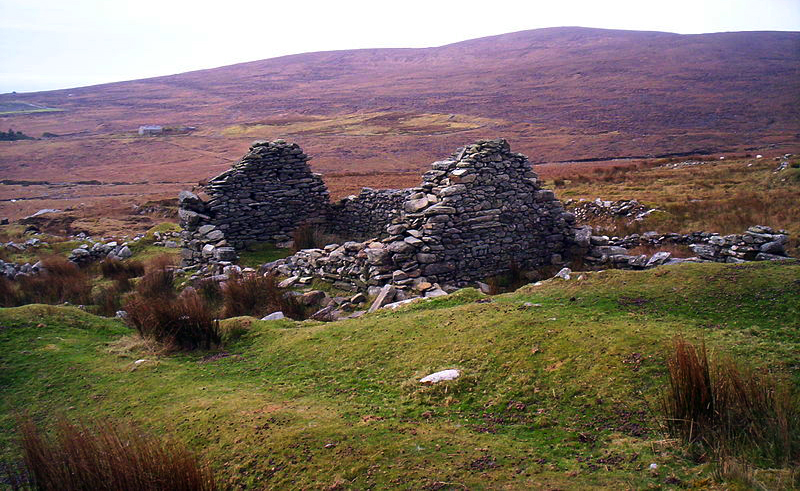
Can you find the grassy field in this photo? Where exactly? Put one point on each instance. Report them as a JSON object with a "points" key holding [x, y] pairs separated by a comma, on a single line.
{"points": [[13, 108], [560, 386], [375, 123]]}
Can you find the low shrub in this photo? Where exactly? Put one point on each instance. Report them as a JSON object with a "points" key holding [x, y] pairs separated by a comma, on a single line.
{"points": [[109, 455], [158, 280], [258, 296], [183, 322], [729, 408], [59, 281], [114, 269], [311, 236]]}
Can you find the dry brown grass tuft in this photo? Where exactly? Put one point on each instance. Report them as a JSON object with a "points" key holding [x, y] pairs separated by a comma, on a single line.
{"points": [[60, 281], [157, 282], [114, 269], [109, 455], [158, 313], [730, 409], [8, 292], [182, 322], [258, 296]]}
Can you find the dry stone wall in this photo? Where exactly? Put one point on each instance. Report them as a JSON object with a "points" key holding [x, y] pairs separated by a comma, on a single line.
{"points": [[262, 198], [476, 214], [365, 215]]}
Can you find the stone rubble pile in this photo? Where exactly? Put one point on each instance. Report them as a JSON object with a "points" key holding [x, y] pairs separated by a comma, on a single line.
{"points": [[13, 271], [92, 250], [625, 208], [688, 163], [32, 243], [89, 253], [170, 240], [783, 163], [757, 243]]}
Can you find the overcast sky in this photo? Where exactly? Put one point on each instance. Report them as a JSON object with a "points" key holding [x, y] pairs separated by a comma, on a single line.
{"points": [[49, 44]]}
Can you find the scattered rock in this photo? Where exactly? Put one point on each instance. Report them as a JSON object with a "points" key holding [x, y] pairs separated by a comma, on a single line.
{"points": [[43, 212], [288, 282], [275, 316], [326, 314], [395, 305], [385, 296], [435, 292], [563, 274], [441, 376], [358, 298], [313, 297]]}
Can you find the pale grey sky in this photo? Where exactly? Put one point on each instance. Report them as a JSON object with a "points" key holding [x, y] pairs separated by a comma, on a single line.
{"points": [[50, 44]]}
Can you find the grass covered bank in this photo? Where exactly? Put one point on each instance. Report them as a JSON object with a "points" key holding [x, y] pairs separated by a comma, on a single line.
{"points": [[560, 383]]}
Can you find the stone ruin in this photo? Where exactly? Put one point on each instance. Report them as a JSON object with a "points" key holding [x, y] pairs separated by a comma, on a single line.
{"points": [[476, 214], [262, 198]]}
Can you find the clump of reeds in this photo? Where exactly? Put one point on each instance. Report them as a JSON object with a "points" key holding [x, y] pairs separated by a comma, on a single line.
{"points": [[114, 269], [730, 408], [108, 455], [257, 295], [59, 281], [158, 313]]}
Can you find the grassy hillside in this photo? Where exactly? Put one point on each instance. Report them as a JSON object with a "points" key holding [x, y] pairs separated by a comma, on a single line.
{"points": [[560, 383]]}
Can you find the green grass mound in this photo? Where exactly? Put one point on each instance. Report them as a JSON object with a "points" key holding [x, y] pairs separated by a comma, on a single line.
{"points": [[560, 383]]}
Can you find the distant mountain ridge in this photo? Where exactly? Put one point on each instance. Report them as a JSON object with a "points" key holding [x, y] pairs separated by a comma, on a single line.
{"points": [[557, 94]]}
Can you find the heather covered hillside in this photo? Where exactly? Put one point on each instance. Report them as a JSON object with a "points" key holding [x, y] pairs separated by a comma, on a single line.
{"points": [[378, 116]]}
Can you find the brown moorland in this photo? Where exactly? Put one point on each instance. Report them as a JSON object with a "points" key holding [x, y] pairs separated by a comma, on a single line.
{"points": [[378, 117]]}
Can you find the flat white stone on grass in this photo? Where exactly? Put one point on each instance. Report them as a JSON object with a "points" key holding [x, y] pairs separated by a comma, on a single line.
{"points": [[564, 273], [437, 377], [273, 316], [395, 305]]}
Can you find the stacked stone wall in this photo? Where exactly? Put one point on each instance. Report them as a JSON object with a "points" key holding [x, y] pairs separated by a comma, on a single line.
{"points": [[262, 198], [365, 215], [477, 214]]}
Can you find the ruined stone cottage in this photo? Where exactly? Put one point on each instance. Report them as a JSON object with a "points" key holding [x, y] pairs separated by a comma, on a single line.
{"points": [[475, 214]]}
